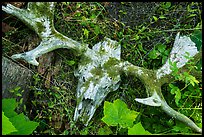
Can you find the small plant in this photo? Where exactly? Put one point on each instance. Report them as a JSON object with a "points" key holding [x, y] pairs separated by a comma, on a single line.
{"points": [[160, 52], [188, 91], [13, 123], [117, 114]]}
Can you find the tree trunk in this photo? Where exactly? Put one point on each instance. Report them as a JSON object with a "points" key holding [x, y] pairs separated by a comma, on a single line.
{"points": [[14, 75]]}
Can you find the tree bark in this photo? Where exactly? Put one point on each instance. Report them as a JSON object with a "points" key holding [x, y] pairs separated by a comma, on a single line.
{"points": [[14, 75]]}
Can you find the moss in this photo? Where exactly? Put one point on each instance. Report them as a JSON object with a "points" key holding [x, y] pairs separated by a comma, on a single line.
{"points": [[60, 36], [97, 71], [131, 69], [85, 60], [102, 51], [40, 27], [112, 70], [41, 9]]}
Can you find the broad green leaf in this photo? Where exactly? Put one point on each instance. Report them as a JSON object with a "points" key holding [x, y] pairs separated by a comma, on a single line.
{"points": [[7, 126], [8, 107], [117, 113], [171, 85], [173, 67], [196, 37], [137, 129], [23, 125], [174, 90]]}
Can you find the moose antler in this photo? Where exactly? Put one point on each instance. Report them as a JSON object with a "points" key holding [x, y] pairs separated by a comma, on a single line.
{"points": [[39, 17], [153, 80], [100, 67]]}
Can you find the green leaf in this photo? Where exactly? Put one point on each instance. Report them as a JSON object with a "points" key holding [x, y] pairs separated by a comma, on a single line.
{"points": [[177, 96], [137, 37], [137, 129], [7, 126], [142, 29], [8, 107], [117, 113], [196, 37], [93, 16], [162, 17], [96, 29], [193, 80], [175, 90], [23, 125], [86, 33], [180, 127], [161, 48], [173, 67], [153, 54], [190, 79], [155, 18], [70, 62], [166, 5], [141, 48]]}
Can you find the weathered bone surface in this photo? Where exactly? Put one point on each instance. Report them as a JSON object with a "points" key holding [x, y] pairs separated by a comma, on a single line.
{"points": [[182, 46], [98, 75], [100, 67]]}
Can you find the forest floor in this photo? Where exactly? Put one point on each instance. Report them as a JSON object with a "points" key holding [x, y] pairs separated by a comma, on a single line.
{"points": [[141, 29]]}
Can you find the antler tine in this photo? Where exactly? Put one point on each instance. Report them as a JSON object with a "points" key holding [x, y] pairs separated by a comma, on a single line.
{"points": [[39, 16], [153, 80]]}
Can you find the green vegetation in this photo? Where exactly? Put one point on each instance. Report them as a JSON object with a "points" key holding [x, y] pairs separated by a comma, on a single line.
{"points": [[13, 123], [146, 44], [7, 125], [117, 114]]}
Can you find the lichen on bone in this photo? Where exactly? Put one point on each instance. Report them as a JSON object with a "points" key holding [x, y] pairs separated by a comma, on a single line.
{"points": [[95, 82]]}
